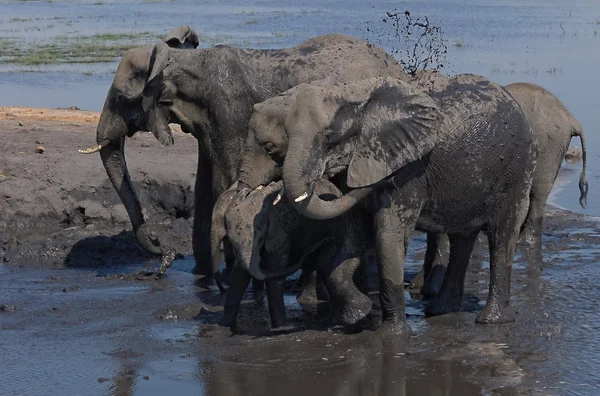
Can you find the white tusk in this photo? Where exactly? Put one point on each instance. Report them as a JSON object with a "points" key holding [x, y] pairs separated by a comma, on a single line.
{"points": [[260, 187], [301, 197], [277, 199], [91, 149]]}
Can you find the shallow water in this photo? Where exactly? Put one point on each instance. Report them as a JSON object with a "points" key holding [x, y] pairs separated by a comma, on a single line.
{"points": [[107, 338], [86, 331]]}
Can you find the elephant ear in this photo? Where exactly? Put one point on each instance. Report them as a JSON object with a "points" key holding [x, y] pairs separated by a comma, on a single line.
{"points": [[182, 37], [399, 124], [157, 116]]}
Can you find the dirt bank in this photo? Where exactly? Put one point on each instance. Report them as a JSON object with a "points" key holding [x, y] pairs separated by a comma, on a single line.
{"points": [[58, 208]]}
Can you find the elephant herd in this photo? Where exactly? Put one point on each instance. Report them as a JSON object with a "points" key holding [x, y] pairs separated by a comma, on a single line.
{"points": [[311, 156]]}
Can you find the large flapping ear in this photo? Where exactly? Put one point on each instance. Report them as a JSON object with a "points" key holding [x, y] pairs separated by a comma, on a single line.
{"points": [[157, 116], [399, 124], [182, 37]]}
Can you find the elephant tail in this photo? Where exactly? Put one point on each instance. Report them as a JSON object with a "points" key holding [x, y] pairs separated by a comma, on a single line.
{"points": [[583, 185]]}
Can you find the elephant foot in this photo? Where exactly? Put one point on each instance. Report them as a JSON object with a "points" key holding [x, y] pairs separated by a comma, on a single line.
{"points": [[396, 327], [418, 281], [355, 310], [227, 320], [201, 270], [205, 281], [441, 305], [433, 284], [278, 323], [494, 313], [307, 296]]}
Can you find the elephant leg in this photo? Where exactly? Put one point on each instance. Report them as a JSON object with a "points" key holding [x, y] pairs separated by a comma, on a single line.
{"points": [[348, 304], [229, 260], [449, 298], [436, 257], [275, 290], [238, 282], [258, 285], [308, 291], [394, 225], [497, 308], [531, 235], [322, 292], [203, 204]]}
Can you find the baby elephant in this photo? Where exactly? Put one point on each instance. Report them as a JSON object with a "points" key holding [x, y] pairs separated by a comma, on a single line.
{"points": [[271, 240]]}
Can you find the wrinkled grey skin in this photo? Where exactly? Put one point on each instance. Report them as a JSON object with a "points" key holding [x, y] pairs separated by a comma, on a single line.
{"points": [[122, 116], [210, 93], [553, 127], [271, 240], [455, 162]]}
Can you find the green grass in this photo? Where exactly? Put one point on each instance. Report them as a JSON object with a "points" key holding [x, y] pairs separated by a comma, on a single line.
{"points": [[99, 48]]}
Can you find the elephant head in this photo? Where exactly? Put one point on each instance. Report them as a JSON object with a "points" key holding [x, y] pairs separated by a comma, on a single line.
{"points": [[123, 115], [258, 224], [267, 142], [369, 128]]}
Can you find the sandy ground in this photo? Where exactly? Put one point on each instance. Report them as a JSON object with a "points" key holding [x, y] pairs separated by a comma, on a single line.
{"points": [[74, 320]]}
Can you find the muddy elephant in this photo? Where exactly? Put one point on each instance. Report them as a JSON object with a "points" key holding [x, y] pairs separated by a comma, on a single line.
{"points": [[271, 241], [122, 116], [455, 162], [210, 93], [553, 127]]}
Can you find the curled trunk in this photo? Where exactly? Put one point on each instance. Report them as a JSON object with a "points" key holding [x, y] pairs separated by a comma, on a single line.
{"points": [[299, 182], [113, 159]]}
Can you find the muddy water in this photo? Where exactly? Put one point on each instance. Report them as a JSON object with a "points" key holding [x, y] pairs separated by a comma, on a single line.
{"points": [[101, 332], [91, 332]]}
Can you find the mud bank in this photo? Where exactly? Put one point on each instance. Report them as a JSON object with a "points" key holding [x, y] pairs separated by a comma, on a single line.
{"points": [[57, 206]]}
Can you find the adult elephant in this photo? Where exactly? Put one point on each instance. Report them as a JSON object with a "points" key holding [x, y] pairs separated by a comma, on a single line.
{"points": [[210, 93], [122, 116], [553, 126], [455, 162]]}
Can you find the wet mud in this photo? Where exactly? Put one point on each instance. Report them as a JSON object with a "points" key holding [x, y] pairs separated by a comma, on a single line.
{"points": [[82, 311]]}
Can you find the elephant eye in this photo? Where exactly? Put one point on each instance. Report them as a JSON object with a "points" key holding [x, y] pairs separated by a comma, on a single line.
{"points": [[269, 147], [165, 102]]}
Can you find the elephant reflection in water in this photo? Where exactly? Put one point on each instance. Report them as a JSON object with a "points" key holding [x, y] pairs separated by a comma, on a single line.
{"points": [[364, 367]]}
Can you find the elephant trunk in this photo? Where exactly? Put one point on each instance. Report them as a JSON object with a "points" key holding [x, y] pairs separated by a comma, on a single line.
{"points": [[583, 185], [113, 158], [302, 168], [254, 269]]}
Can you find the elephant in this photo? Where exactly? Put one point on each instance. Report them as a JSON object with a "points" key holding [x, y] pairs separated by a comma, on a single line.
{"points": [[210, 93], [121, 113], [457, 161], [553, 127], [264, 228]]}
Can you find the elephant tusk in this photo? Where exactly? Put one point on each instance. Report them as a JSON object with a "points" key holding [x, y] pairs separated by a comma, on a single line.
{"points": [[91, 149], [260, 187], [301, 197], [277, 199]]}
